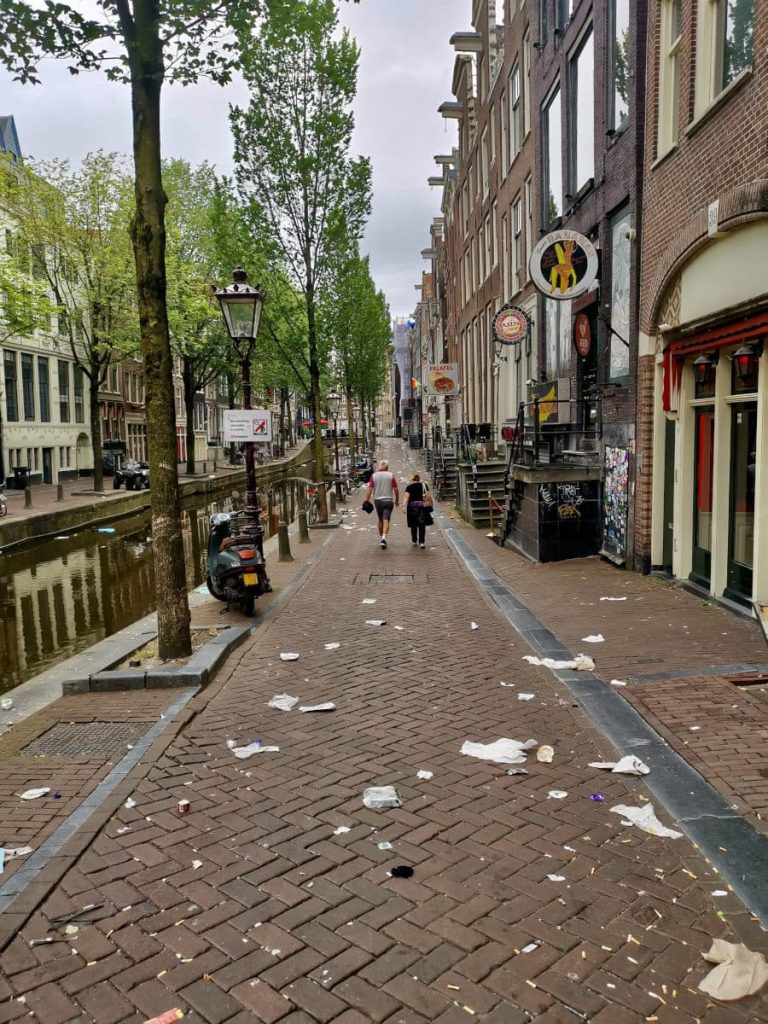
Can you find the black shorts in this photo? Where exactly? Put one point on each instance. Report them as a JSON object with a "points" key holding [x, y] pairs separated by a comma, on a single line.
{"points": [[384, 508]]}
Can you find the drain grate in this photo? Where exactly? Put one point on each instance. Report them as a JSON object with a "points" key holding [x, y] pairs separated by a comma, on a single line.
{"points": [[104, 741], [390, 577]]}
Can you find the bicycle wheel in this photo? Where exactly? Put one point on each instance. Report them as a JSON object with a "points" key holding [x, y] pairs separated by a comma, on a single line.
{"points": [[312, 512]]}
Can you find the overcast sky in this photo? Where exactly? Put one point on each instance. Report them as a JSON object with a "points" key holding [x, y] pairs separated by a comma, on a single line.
{"points": [[405, 73]]}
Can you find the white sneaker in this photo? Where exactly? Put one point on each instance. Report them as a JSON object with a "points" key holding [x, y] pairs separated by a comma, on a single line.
{"points": [[383, 542], [422, 546]]}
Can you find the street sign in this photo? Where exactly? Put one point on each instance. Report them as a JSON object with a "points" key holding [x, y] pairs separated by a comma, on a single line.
{"points": [[564, 265], [247, 425], [443, 379], [511, 325], [582, 335]]}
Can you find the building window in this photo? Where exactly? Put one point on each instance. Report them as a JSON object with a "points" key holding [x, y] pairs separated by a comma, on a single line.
{"points": [[484, 161], [492, 128], [28, 385], [488, 246], [495, 235], [619, 70], [43, 384], [63, 391], [499, 11], [734, 40], [514, 111], [517, 243], [620, 292], [11, 386], [504, 136], [526, 82], [582, 114], [505, 287], [543, 22], [553, 169], [79, 411], [528, 192], [563, 10], [465, 207], [557, 338], [669, 75]]}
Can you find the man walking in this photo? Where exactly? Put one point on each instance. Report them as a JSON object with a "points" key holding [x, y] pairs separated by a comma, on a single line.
{"points": [[383, 488]]}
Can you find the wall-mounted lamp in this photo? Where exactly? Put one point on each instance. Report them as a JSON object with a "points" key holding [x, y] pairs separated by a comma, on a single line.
{"points": [[745, 359], [704, 368]]}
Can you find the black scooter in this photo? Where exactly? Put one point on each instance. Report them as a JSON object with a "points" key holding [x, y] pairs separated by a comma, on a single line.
{"points": [[236, 569]]}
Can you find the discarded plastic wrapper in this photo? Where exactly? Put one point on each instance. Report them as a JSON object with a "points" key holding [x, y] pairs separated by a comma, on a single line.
{"points": [[517, 771], [526, 696], [556, 878], [375, 622], [332, 647], [613, 599], [531, 946], [196, 864], [473, 625], [629, 765], [11, 852], [557, 794], [283, 702], [581, 663], [106, 529], [423, 774], [645, 819], [328, 706], [507, 684], [618, 682], [166, 1018], [545, 753], [253, 748], [342, 830], [6, 704], [369, 600], [598, 797], [379, 797], [289, 656], [503, 751], [33, 794], [594, 638], [384, 846], [740, 972]]}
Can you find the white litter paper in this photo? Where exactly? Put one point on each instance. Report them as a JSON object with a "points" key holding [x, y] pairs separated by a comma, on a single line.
{"points": [[507, 684], [129, 803], [400, 628], [332, 647], [33, 794], [16, 851], [375, 622], [557, 794], [289, 656], [526, 696], [328, 706], [369, 600], [423, 774], [545, 753], [503, 751], [594, 638], [629, 765], [384, 846], [253, 748], [196, 864], [6, 704], [342, 830], [613, 599], [556, 878], [581, 663], [618, 682], [379, 797], [283, 702], [473, 625], [645, 818]]}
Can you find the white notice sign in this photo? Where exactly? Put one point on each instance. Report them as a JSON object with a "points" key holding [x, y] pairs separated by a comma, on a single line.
{"points": [[247, 425]]}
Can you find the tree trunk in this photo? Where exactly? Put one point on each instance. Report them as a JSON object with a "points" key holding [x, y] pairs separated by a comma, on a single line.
{"points": [[363, 425], [282, 423], [351, 432], [148, 236], [289, 415], [317, 407], [231, 401], [93, 404], [189, 408]]}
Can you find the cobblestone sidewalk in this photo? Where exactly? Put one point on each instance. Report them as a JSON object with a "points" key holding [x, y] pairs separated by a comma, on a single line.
{"points": [[274, 899]]}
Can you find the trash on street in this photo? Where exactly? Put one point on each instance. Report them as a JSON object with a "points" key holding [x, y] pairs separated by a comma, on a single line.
{"points": [[283, 702], [545, 753], [6, 704], [375, 622], [423, 774], [473, 625], [526, 696], [289, 656], [332, 647], [502, 751], [380, 797], [557, 794], [342, 830], [613, 599], [594, 638], [34, 794], [166, 1018], [628, 765], [253, 748], [645, 819], [581, 663], [327, 706], [739, 972]]}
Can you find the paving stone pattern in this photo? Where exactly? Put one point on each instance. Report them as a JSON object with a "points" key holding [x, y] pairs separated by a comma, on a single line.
{"points": [[253, 908]]}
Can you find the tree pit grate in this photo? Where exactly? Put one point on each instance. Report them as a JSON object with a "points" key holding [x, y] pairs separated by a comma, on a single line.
{"points": [[390, 577], [103, 741]]}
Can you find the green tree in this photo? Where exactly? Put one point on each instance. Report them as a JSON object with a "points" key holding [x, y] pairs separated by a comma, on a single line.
{"points": [[74, 224], [292, 154]]}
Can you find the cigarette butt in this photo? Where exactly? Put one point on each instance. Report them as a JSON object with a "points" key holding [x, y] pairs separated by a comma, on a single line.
{"points": [[529, 982], [453, 988], [469, 1010]]}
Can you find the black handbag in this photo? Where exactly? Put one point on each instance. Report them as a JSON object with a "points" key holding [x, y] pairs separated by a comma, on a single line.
{"points": [[368, 507], [425, 516]]}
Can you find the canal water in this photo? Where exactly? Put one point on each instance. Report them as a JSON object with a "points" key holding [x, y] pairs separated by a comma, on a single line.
{"points": [[61, 596]]}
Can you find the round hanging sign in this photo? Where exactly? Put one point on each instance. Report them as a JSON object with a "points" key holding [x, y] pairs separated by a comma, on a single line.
{"points": [[511, 324], [563, 265], [582, 335]]}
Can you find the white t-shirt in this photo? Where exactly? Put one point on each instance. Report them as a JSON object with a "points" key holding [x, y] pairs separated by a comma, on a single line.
{"points": [[384, 485]]}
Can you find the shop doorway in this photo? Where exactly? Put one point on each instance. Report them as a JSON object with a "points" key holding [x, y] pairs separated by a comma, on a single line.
{"points": [[701, 568], [741, 533], [669, 496], [47, 465]]}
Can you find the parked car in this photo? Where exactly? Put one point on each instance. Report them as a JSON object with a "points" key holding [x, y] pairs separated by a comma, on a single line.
{"points": [[135, 476]]}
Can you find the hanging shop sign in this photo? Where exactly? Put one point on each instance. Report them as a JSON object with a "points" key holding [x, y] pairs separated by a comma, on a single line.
{"points": [[247, 425], [582, 335], [443, 379], [553, 399], [563, 265], [511, 325]]}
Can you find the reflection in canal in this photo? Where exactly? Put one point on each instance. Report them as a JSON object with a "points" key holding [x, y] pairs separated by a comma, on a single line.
{"points": [[61, 596]]}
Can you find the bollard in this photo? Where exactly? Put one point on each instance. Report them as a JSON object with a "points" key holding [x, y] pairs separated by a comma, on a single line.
{"points": [[303, 527], [283, 543], [331, 498], [27, 497], [59, 492]]}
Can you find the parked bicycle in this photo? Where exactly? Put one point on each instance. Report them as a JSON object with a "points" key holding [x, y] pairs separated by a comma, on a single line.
{"points": [[313, 507], [3, 502]]}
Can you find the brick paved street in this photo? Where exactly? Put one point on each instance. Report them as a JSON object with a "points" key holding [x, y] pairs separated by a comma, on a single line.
{"points": [[260, 906]]}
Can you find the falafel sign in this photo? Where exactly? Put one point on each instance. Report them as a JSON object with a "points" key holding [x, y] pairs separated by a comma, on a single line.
{"points": [[563, 265], [443, 379]]}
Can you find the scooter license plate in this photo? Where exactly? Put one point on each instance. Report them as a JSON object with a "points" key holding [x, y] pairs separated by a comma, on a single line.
{"points": [[250, 579]]}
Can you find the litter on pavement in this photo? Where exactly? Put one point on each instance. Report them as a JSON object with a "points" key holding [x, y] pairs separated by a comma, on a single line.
{"points": [[33, 794], [369, 600], [645, 819], [332, 647], [613, 599], [283, 702], [473, 625], [594, 638], [423, 774], [6, 704], [556, 878], [166, 1018], [129, 803], [379, 797], [557, 794], [517, 771], [342, 830], [106, 529], [740, 972], [581, 663], [502, 751], [253, 748], [617, 682], [289, 656], [629, 765], [328, 706], [375, 622], [507, 684], [10, 853], [384, 846], [545, 753], [597, 797], [526, 696]]}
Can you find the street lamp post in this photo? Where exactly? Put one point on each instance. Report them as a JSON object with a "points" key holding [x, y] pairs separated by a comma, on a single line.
{"points": [[241, 306], [334, 406]]}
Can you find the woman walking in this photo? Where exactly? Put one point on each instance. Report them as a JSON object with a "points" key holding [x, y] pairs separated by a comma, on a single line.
{"points": [[417, 495]]}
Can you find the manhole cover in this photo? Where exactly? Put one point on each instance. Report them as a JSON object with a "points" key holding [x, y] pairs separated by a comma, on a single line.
{"points": [[104, 741], [390, 577]]}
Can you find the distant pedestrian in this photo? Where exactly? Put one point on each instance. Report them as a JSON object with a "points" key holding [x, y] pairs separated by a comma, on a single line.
{"points": [[417, 496], [368, 470], [383, 487]]}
